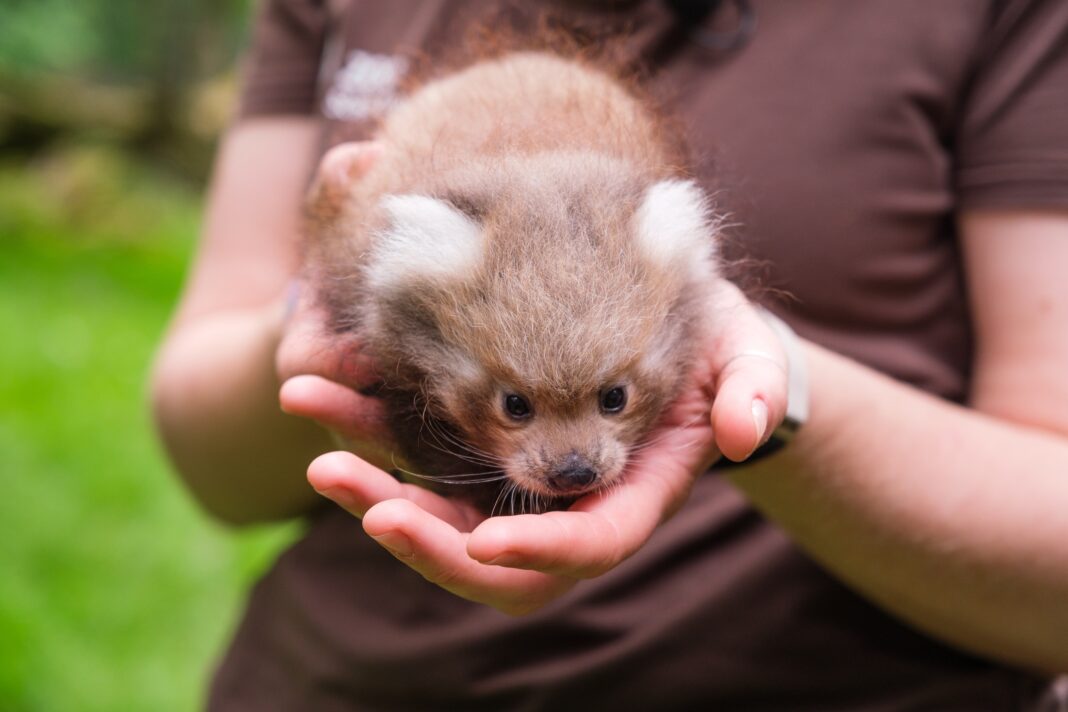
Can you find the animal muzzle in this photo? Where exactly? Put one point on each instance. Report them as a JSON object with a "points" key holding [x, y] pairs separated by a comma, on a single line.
{"points": [[573, 474]]}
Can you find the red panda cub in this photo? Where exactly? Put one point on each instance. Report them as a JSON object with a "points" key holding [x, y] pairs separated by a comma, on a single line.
{"points": [[529, 272]]}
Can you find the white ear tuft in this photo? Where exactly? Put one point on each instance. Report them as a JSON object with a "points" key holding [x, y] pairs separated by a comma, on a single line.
{"points": [[426, 238], [676, 227]]}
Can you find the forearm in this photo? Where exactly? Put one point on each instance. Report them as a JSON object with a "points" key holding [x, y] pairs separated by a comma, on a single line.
{"points": [[215, 397], [952, 519]]}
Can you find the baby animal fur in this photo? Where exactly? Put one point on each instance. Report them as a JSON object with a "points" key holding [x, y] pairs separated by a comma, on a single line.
{"points": [[525, 234]]}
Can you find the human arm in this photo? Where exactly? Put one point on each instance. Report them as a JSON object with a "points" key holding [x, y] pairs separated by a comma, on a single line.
{"points": [[215, 384], [951, 517], [214, 387]]}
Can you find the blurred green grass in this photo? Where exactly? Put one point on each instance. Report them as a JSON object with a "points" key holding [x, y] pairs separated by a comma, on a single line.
{"points": [[115, 592]]}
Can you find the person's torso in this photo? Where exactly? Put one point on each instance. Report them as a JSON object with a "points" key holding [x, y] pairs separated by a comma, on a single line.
{"points": [[828, 137]]}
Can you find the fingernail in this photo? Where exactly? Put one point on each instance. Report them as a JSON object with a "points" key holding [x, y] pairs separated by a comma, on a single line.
{"points": [[396, 543], [760, 418]]}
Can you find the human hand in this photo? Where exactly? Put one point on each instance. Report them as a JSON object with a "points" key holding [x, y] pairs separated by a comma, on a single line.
{"points": [[735, 397], [324, 374]]}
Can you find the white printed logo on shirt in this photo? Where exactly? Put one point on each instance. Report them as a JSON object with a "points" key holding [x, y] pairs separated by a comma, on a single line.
{"points": [[365, 87]]}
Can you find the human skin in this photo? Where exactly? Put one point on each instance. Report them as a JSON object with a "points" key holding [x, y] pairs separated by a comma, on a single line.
{"points": [[950, 517], [217, 362]]}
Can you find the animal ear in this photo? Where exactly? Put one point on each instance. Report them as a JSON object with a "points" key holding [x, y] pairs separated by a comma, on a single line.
{"points": [[339, 168], [425, 238], [676, 227]]}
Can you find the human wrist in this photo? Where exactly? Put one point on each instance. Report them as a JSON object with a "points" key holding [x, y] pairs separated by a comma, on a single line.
{"points": [[798, 378]]}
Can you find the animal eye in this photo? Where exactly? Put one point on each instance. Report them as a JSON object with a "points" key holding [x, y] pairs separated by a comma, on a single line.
{"points": [[613, 399], [517, 406]]}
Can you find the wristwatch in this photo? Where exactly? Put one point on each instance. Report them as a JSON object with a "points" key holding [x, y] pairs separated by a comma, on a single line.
{"points": [[797, 395]]}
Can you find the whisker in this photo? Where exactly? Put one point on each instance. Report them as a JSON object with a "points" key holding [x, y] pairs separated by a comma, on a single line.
{"points": [[461, 456], [646, 444], [442, 440], [467, 446], [464, 458], [501, 497], [470, 478]]}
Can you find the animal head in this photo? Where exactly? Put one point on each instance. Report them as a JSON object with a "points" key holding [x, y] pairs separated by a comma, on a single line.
{"points": [[546, 310]]}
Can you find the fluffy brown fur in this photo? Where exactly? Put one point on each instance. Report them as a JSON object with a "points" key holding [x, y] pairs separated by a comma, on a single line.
{"points": [[519, 261]]}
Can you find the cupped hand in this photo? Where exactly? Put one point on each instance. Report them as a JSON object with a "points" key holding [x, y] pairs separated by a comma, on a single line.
{"points": [[325, 374], [735, 396]]}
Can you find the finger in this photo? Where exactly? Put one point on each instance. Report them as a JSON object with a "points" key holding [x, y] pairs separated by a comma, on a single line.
{"points": [[574, 544], [595, 535], [309, 348], [750, 402], [751, 382], [437, 551], [336, 407], [349, 161], [339, 167], [357, 486]]}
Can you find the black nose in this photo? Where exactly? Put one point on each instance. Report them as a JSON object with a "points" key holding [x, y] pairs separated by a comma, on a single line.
{"points": [[574, 473]]}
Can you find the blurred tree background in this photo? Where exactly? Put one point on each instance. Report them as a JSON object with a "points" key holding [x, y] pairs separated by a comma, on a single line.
{"points": [[115, 592]]}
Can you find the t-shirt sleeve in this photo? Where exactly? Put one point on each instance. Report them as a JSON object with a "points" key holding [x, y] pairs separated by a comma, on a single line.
{"points": [[1013, 140], [282, 66]]}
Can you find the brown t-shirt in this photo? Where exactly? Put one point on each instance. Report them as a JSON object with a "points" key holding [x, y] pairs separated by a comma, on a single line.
{"points": [[843, 138]]}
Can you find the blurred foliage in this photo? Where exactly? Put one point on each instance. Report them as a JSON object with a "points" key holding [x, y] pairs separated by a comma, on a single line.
{"points": [[116, 593], [55, 35], [147, 75], [125, 40]]}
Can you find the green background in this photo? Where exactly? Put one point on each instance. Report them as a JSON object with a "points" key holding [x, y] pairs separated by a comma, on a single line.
{"points": [[116, 593]]}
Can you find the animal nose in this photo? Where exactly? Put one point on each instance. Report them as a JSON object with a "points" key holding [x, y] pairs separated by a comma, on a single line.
{"points": [[573, 474]]}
